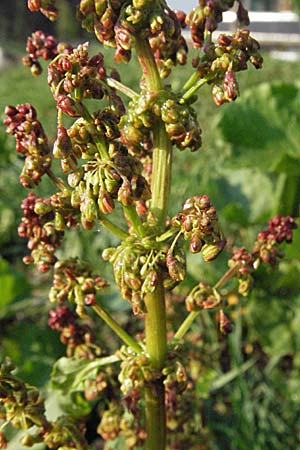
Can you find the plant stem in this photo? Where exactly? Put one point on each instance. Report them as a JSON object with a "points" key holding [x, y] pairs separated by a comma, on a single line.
{"points": [[155, 317], [57, 181], [155, 323], [134, 219], [162, 148], [155, 416], [186, 324], [194, 89], [126, 338], [156, 347], [191, 81], [161, 174], [117, 231], [121, 87]]}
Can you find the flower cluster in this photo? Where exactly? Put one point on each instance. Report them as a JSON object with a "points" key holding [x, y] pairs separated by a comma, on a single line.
{"points": [[198, 221], [180, 120], [46, 7], [41, 45], [78, 338], [204, 19], [31, 141], [101, 181], [117, 420], [23, 407], [74, 282], [266, 246], [139, 262], [38, 227], [202, 296], [265, 250], [220, 61], [136, 263], [75, 76], [243, 261], [181, 124], [21, 404], [166, 41], [118, 25]]}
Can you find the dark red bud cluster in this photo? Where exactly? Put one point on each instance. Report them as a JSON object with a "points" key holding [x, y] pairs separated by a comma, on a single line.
{"points": [[244, 262], [203, 296], [199, 223], [46, 7], [221, 61], [265, 250], [79, 338], [176, 264], [227, 91], [74, 282], [41, 45], [205, 18], [75, 76], [38, 227], [118, 26], [266, 247], [31, 141]]}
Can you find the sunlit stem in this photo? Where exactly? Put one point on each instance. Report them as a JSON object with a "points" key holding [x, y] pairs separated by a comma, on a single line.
{"points": [[121, 88], [123, 335]]}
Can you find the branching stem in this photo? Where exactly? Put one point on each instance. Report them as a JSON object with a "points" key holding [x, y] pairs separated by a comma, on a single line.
{"points": [[121, 88], [126, 338], [186, 324]]}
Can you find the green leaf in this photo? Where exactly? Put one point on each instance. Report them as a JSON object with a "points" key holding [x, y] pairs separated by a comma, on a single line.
{"points": [[68, 378], [262, 128], [37, 342], [13, 284], [69, 374]]}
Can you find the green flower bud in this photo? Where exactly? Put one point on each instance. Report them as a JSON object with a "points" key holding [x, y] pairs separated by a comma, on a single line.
{"points": [[89, 209], [75, 177], [41, 208], [59, 223], [211, 251]]}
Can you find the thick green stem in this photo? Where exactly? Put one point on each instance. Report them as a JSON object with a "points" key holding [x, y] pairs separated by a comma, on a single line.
{"points": [[126, 338], [162, 148], [155, 416], [161, 173], [155, 323], [156, 346], [155, 317]]}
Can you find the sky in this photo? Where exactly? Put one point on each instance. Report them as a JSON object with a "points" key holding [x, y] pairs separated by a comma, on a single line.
{"points": [[185, 5]]}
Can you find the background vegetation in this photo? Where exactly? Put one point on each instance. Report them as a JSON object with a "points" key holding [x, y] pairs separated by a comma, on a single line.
{"points": [[249, 389]]}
